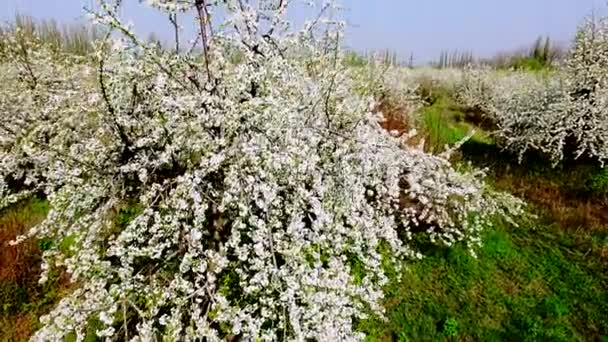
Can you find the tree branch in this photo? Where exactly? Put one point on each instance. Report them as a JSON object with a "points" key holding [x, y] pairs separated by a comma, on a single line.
{"points": [[203, 19], [173, 20]]}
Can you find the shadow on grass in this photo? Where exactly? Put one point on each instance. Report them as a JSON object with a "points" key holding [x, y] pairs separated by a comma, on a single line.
{"points": [[568, 192]]}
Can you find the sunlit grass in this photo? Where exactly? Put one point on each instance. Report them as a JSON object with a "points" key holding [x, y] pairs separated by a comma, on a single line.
{"points": [[528, 284]]}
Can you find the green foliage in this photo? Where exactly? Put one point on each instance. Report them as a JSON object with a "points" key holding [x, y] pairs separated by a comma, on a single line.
{"points": [[598, 183], [357, 268], [450, 327], [353, 59], [45, 244], [230, 287], [11, 296], [444, 123], [540, 56], [528, 63], [127, 214], [94, 324], [441, 133], [48, 294], [38, 207]]}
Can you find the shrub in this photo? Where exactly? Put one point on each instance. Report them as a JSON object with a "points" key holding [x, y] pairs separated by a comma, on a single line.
{"points": [[266, 195], [450, 327], [598, 183]]}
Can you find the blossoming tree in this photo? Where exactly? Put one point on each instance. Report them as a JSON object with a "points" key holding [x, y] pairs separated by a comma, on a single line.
{"points": [[264, 196], [563, 114]]}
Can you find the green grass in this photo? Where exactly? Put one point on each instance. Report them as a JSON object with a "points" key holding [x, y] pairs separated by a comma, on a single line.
{"points": [[445, 124], [527, 284], [441, 132], [530, 64], [541, 281], [598, 182]]}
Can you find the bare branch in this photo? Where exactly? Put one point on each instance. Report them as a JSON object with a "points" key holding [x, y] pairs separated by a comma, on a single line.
{"points": [[203, 19], [173, 20]]}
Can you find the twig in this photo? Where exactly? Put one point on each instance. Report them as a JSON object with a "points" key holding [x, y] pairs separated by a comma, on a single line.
{"points": [[28, 66], [124, 320], [280, 11], [117, 25], [332, 82], [123, 136]]}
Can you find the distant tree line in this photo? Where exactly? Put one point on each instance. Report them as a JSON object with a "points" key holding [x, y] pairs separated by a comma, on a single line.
{"points": [[385, 57], [77, 38], [543, 53], [454, 59]]}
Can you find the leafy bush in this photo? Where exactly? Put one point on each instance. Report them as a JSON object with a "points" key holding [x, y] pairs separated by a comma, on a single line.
{"points": [[599, 182], [353, 59], [267, 196], [450, 327], [528, 63]]}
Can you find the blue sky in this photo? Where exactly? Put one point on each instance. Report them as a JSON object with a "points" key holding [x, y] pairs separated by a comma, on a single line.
{"points": [[424, 27]]}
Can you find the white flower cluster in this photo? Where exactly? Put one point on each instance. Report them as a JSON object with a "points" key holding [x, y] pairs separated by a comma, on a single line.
{"points": [[562, 114], [447, 78], [391, 86], [37, 100], [196, 198], [587, 81], [400, 87]]}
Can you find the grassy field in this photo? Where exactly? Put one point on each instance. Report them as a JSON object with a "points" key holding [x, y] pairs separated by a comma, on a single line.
{"points": [[545, 280], [534, 282]]}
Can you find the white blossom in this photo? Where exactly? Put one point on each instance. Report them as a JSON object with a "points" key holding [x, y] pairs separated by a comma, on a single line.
{"points": [[563, 114], [203, 198]]}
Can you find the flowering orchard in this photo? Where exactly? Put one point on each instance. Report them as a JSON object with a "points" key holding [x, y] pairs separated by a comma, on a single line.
{"points": [[563, 114], [264, 198]]}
